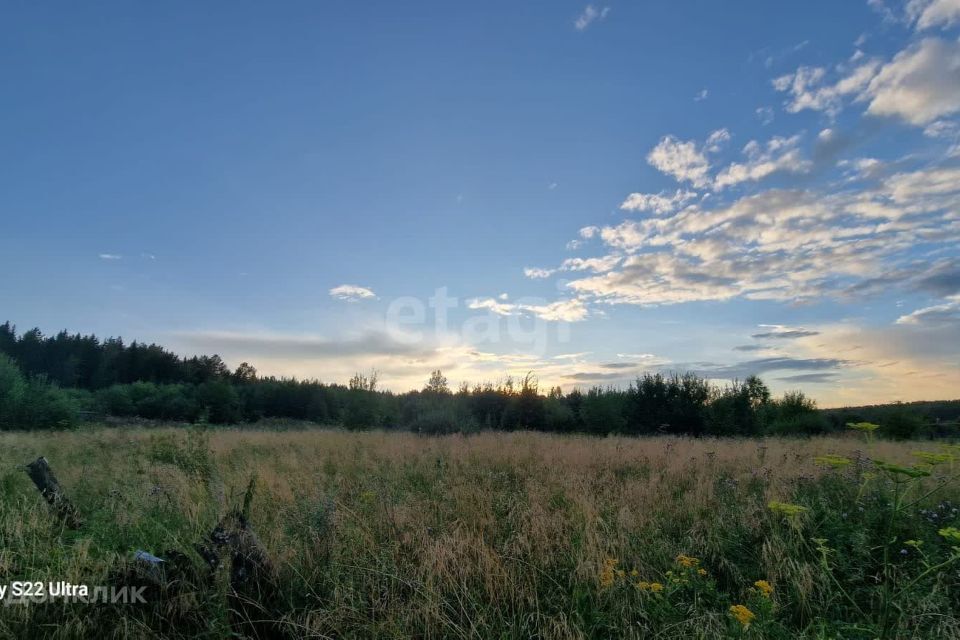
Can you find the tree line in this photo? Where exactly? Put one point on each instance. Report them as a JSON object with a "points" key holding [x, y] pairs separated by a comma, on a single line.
{"points": [[55, 381]]}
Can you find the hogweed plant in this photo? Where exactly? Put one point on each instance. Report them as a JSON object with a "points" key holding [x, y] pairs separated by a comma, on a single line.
{"points": [[906, 487], [866, 428]]}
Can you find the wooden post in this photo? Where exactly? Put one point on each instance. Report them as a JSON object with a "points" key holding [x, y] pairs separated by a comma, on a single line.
{"points": [[42, 475]]}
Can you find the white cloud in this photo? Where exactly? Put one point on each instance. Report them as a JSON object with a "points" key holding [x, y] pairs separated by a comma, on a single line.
{"points": [[569, 310], [765, 114], [537, 273], [597, 265], [590, 15], [941, 129], [495, 306], [572, 356], [779, 154], [920, 84], [807, 90], [946, 313], [933, 13], [787, 245], [680, 159], [351, 293], [687, 162], [888, 15], [110, 256], [701, 95], [660, 203], [716, 140], [588, 232], [925, 189]]}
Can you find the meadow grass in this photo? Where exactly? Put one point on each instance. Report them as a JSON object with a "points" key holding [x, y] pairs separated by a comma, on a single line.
{"points": [[498, 535]]}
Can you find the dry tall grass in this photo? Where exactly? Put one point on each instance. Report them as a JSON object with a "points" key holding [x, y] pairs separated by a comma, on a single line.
{"points": [[395, 535]]}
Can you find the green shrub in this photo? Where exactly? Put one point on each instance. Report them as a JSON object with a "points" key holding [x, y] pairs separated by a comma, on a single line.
{"points": [[34, 403], [900, 425]]}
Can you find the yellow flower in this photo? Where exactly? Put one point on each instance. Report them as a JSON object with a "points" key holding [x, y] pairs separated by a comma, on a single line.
{"points": [[866, 427], [634, 573], [702, 572], [652, 587], [765, 587], [608, 573], [687, 561], [743, 615]]}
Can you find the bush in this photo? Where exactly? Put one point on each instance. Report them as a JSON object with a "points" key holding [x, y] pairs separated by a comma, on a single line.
{"points": [[13, 388], [34, 403], [795, 413], [439, 421], [219, 402], [900, 425]]}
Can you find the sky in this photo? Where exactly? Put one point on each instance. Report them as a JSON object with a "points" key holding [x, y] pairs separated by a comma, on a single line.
{"points": [[585, 191]]}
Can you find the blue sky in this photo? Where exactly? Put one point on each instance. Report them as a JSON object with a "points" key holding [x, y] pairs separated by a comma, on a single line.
{"points": [[601, 189]]}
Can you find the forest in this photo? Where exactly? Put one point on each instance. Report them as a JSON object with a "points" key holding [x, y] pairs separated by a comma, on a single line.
{"points": [[61, 380]]}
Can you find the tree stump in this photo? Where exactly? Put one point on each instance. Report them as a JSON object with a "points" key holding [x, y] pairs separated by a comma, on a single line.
{"points": [[253, 578], [42, 475]]}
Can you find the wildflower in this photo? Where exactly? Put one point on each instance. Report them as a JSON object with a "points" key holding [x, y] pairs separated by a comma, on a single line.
{"points": [[913, 543], [634, 573], [831, 460], [765, 587], [950, 534], [652, 587], [687, 561], [702, 572], [864, 427], [608, 573], [743, 615], [786, 509]]}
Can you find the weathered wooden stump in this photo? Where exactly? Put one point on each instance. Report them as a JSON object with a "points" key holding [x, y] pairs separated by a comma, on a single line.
{"points": [[42, 475], [253, 578]]}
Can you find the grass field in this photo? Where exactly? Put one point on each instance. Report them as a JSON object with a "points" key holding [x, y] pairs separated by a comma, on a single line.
{"points": [[510, 535]]}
